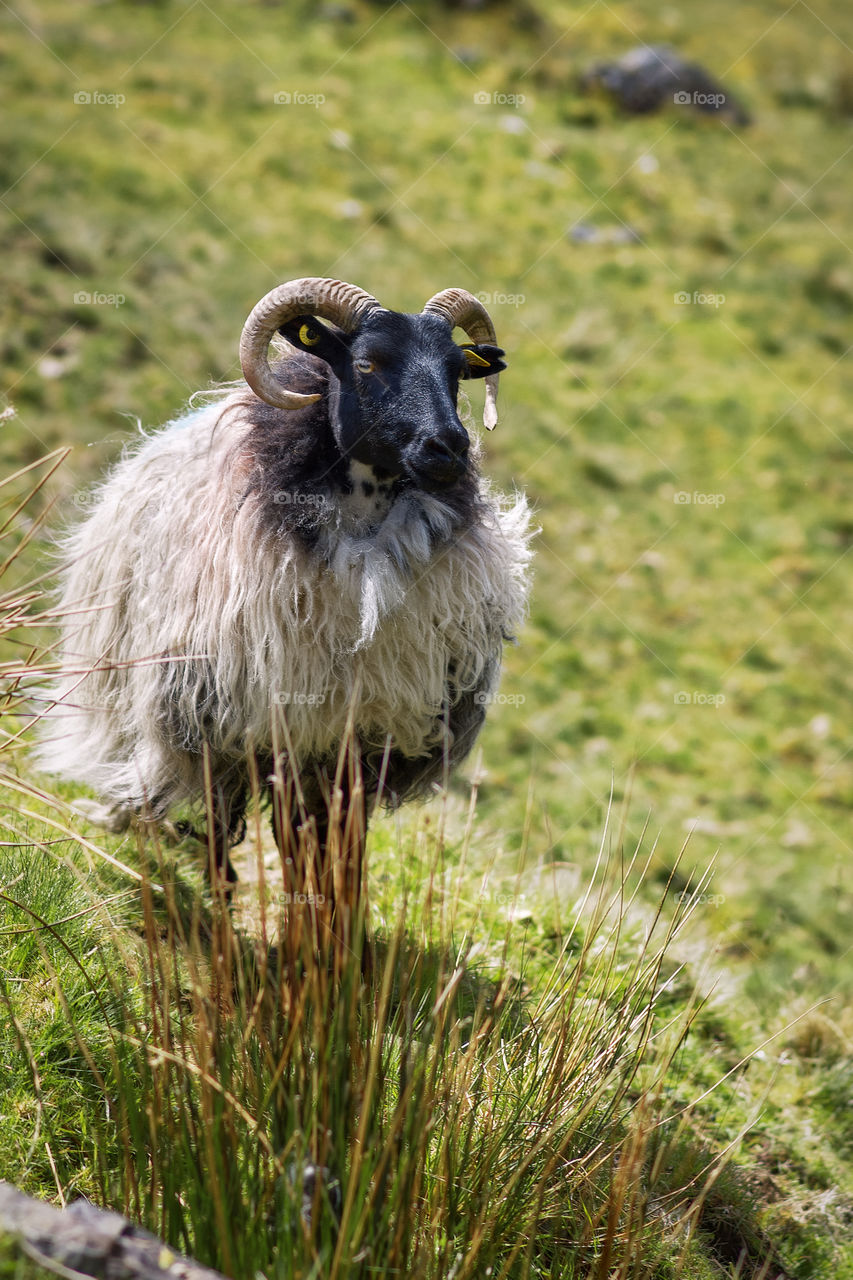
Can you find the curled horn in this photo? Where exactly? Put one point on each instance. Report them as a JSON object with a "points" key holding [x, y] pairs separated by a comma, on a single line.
{"points": [[459, 307], [335, 300]]}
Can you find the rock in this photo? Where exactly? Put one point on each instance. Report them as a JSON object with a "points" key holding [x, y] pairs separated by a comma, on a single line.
{"points": [[92, 1242], [586, 233], [651, 77]]}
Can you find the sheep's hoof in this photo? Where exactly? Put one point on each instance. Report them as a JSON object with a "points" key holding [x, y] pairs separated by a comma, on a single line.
{"points": [[110, 817]]}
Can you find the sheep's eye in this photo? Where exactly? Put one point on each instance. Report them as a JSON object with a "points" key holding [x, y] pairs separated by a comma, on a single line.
{"points": [[365, 366], [308, 336]]}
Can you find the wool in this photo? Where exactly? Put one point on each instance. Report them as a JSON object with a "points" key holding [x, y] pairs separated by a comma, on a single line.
{"points": [[196, 616]]}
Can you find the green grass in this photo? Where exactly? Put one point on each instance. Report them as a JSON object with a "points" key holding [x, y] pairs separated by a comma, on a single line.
{"points": [[198, 193], [184, 1073]]}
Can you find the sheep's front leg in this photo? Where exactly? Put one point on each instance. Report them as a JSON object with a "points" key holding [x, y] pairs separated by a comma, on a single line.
{"points": [[320, 834], [342, 830], [219, 843], [226, 800]]}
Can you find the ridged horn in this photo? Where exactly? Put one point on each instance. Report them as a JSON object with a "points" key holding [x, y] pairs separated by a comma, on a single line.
{"points": [[459, 307], [335, 300]]}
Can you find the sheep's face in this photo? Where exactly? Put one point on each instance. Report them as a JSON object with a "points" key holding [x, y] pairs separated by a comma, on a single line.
{"points": [[392, 392]]}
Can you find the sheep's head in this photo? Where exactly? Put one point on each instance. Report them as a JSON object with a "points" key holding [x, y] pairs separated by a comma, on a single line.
{"points": [[393, 378]]}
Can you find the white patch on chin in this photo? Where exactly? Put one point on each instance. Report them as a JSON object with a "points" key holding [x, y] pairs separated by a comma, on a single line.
{"points": [[369, 503], [376, 559]]}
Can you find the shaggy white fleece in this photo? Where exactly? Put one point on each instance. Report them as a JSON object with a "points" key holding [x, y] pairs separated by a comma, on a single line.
{"points": [[187, 621]]}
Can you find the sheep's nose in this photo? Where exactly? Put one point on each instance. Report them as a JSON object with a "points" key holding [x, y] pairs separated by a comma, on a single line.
{"points": [[440, 450], [442, 460]]}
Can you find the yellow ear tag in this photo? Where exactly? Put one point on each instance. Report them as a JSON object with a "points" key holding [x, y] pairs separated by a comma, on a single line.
{"points": [[310, 337], [475, 359]]}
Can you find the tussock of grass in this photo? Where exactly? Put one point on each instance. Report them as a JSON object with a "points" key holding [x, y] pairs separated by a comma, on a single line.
{"points": [[461, 1127], [22, 602]]}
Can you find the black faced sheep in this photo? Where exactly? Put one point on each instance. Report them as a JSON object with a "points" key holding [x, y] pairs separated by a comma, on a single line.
{"points": [[311, 560]]}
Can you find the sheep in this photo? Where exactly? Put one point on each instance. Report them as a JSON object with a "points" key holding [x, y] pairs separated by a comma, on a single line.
{"points": [[308, 560]]}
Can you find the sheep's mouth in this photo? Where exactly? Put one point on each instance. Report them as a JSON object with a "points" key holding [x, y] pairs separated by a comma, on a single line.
{"points": [[438, 479]]}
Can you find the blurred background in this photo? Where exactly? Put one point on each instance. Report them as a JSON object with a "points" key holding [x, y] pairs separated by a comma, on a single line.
{"points": [[671, 277]]}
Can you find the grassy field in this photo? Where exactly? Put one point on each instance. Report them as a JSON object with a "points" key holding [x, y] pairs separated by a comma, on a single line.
{"points": [[676, 407]]}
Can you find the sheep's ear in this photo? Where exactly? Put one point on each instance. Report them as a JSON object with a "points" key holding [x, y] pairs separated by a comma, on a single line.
{"points": [[482, 359]]}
